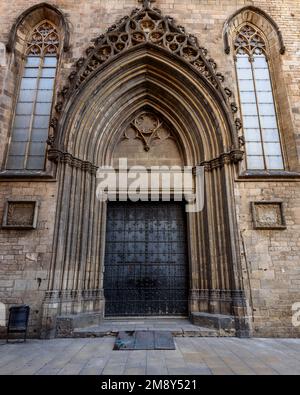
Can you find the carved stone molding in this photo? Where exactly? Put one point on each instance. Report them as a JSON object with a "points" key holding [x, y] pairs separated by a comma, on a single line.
{"points": [[70, 295], [55, 155], [238, 297], [234, 156]]}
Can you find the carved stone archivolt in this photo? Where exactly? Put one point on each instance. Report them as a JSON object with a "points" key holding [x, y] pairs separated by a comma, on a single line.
{"points": [[144, 26]]}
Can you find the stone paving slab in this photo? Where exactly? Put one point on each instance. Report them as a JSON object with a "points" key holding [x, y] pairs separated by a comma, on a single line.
{"points": [[193, 356]]}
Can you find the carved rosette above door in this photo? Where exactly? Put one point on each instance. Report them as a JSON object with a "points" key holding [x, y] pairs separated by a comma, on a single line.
{"points": [[147, 139], [148, 128]]}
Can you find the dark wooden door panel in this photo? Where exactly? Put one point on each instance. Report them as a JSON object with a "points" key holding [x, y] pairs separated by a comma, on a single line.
{"points": [[146, 260]]}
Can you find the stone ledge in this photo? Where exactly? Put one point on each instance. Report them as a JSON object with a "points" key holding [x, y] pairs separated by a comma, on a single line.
{"points": [[100, 332], [178, 328]]}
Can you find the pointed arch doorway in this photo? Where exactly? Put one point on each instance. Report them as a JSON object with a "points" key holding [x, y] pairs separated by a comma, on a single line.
{"points": [[113, 86]]}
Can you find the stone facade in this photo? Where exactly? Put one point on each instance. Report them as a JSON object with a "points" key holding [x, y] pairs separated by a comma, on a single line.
{"points": [[268, 259]]}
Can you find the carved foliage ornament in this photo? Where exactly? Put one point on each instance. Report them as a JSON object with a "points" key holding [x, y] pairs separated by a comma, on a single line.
{"points": [[44, 40], [145, 25]]}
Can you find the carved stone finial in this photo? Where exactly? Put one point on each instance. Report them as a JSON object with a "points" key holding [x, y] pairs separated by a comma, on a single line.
{"points": [[147, 3]]}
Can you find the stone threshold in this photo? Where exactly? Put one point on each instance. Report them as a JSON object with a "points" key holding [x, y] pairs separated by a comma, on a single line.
{"points": [[178, 328]]}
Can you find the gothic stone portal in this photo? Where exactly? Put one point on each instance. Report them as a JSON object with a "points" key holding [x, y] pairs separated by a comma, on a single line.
{"points": [[146, 260], [154, 107]]}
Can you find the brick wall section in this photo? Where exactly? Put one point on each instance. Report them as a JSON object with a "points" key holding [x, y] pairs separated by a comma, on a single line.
{"points": [[273, 256]]}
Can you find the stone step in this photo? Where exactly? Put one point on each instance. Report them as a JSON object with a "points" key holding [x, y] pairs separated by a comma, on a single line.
{"points": [[179, 328]]}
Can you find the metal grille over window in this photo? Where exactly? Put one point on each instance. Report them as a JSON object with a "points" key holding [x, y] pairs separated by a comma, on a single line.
{"points": [[263, 147], [30, 129]]}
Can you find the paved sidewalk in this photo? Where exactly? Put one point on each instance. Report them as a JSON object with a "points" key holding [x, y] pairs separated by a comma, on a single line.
{"points": [[203, 356]]}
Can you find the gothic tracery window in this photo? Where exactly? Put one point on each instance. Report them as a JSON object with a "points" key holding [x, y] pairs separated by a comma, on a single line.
{"points": [[32, 115], [261, 132]]}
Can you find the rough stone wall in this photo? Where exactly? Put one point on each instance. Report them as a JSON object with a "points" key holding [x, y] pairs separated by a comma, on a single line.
{"points": [[25, 255], [273, 257]]}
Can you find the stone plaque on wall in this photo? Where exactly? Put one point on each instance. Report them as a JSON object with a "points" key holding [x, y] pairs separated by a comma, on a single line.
{"points": [[268, 215], [20, 214]]}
